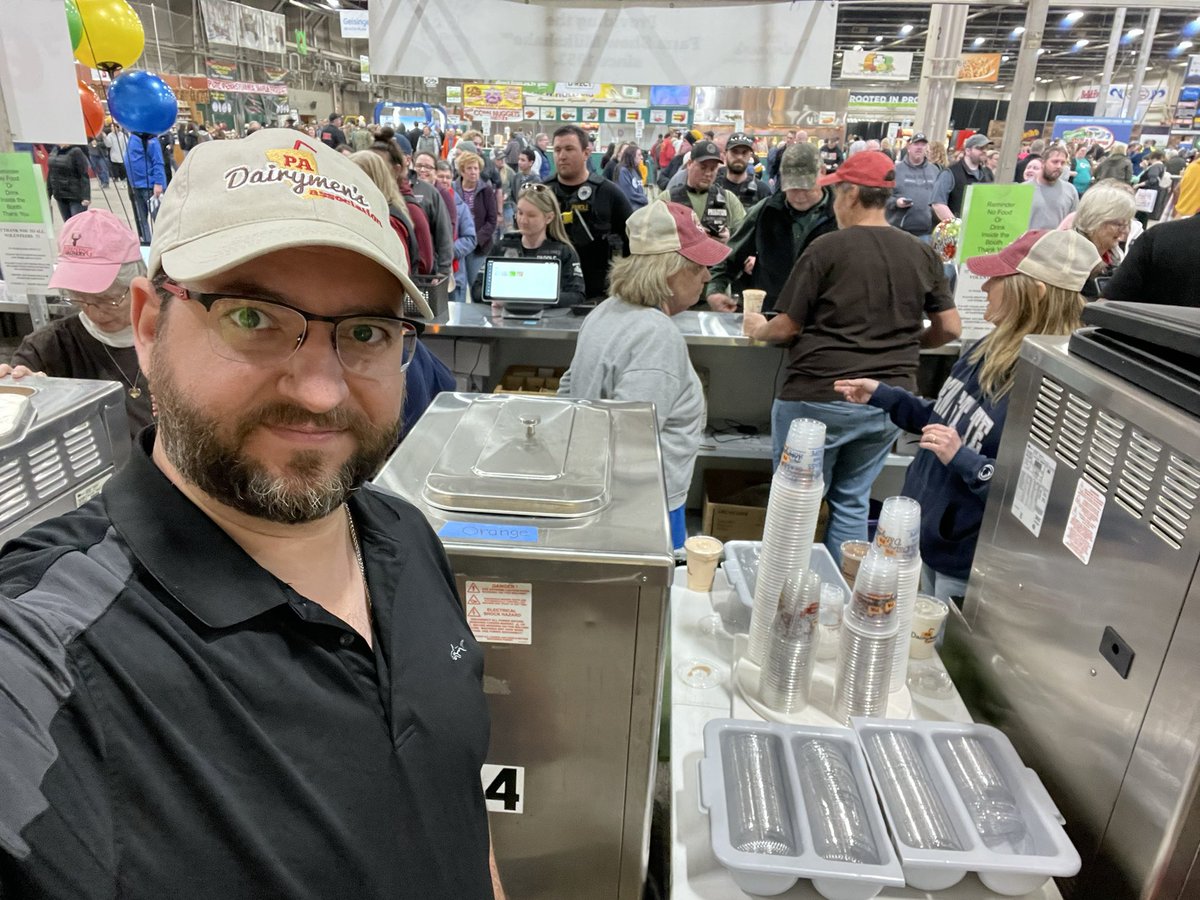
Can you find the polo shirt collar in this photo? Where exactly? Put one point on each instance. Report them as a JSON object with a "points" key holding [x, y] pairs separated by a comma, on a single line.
{"points": [[200, 565]]}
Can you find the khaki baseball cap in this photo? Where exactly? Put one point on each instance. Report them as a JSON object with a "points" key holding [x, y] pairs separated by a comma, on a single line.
{"points": [[234, 201], [662, 226], [1065, 259]]}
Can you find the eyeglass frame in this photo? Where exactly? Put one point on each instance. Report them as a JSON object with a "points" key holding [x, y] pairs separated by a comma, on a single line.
{"points": [[99, 304], [208, 299], [534, 186]]}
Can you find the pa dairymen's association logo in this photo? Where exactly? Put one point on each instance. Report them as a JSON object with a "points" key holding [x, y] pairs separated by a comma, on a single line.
{"points": [[297, 168]]}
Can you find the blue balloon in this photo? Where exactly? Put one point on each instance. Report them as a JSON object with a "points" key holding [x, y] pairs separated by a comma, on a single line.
{"points": [[143, 103]]}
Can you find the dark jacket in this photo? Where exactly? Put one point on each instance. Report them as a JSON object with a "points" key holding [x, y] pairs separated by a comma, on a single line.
{"points": [[425, 378], [595, 213], [952, 497], [68, 174], [1115, 165], [767, 234], [484, 212], [570, 274], [331, 135]]}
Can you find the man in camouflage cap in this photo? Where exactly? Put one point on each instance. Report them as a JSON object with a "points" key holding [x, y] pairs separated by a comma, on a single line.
{"points": [[775, 232]]}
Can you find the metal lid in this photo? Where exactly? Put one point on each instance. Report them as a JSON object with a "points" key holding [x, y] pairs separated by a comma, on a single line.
{"points": [[536, 456]]}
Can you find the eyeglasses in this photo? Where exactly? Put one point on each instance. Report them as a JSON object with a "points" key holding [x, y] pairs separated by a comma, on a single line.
{"points": [[534, 186], [79, 302], [423, 167], [268, 333]]}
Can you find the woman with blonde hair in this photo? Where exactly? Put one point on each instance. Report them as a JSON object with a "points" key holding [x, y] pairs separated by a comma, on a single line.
{"points": [[380, 173], [937, 154], [540, 233], [1032, 288], [628, 348]]}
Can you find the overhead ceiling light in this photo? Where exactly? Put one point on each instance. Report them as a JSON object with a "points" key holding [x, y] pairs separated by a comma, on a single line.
{"points": [[978, 42], [1081, 43], [1134, 33], [1005, 59], [906, 29], [1185, 45], [1073, 16], [1041, 50], [858, 48], [334, 4], [879, 38], [1074, 77], [1018, 31]]}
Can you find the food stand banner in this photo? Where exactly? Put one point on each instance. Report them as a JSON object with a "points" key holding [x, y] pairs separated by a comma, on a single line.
{"points": [[766, 45], [876, 107], [1151, 97], [877, 65], [498, 102], [543, 93], [1104, 132], [981, 67], [242, 26]]}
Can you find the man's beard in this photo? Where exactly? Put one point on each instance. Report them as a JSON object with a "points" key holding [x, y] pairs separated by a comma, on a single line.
{"points": [[736, 166], [210, 457]]}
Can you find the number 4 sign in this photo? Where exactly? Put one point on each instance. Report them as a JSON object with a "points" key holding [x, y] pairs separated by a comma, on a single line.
{"points": [[504, 788]]}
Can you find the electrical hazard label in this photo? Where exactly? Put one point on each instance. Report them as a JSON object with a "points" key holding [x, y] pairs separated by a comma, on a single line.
{"points": [[500, 612]]}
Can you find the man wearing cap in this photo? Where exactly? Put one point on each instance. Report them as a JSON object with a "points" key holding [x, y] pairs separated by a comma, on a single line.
{"points": [[856, 300], [971, 169], [98, 259], [674, 173], [719, 210], [737, 176], [765, 247], [914, 205], [240, 671], [594, 210], [331, 133]]}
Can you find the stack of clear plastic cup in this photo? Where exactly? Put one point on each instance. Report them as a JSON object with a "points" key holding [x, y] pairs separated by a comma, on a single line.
{"points": [[791, 522], [840, 828], [760, 819], [791, 652], [833, 604], [992, 806], [899, 536], [868, 629], [918, 814]]}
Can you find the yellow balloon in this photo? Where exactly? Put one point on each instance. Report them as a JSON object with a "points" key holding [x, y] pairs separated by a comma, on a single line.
{"points": [[112, 34]]}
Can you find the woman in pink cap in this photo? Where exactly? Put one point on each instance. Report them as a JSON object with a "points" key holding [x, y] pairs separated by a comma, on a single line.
{"points": [[98, 258], [1032, 287], [628, 348]]}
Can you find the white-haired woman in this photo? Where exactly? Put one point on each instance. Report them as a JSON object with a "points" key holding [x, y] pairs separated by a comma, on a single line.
{"points": [[98, 258], [628, 348], [1104, 217]]}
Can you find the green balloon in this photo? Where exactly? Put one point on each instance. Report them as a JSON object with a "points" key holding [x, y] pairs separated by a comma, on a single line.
{"points": [[74, 23]]}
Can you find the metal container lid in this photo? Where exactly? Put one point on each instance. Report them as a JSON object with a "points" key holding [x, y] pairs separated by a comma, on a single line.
{"points": [[535, 456]]}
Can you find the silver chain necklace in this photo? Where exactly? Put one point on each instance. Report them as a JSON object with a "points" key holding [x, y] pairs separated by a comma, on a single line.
{"points": [[134, 391], [362, 569]]}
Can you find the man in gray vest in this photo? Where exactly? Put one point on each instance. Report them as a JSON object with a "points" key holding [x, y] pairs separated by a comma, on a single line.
{"points": [[719, 210], [912, 207]]}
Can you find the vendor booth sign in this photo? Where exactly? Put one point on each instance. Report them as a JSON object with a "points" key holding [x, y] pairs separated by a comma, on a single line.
{"points": [[499, 102], [877, 65], [979, 67], [1090, 130]]}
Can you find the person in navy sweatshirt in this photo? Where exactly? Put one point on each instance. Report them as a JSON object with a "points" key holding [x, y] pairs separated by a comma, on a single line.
{"points": [[1032, 288]]}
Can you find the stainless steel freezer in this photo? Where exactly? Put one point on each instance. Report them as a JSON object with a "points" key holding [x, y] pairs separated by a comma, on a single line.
{"points": [[553, 514], [60, 440], [1080, 632]]}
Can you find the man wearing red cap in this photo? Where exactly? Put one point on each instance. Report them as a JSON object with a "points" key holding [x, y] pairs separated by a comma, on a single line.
{"points": [[98, 258], [856, 300]]}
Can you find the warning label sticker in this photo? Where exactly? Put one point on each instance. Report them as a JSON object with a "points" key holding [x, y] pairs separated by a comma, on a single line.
{"points": [[1084, 521], [500, 612], [1033, 489]]}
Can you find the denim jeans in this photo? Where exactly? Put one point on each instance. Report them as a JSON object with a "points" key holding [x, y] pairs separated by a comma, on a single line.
{"points": [[99, 163], [857, 441], [141, 211], [69, 208], [942, 586]]}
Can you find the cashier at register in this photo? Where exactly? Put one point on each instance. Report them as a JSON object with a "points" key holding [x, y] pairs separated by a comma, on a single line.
{"points": [[98, 258], [239, 672]]}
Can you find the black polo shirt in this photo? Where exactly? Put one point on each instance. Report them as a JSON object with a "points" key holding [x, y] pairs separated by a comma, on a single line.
{"points": [[177, 722]]}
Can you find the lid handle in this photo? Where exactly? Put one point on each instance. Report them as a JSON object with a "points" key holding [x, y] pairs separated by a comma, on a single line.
{"points": [[531, 423]]}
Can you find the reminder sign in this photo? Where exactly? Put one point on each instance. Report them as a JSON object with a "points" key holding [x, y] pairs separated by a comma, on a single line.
{"points": [[26, 243], [994, 215]]}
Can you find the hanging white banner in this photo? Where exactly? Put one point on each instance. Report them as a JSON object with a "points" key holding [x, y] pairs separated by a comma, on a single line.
{"points": [[763, 45]]}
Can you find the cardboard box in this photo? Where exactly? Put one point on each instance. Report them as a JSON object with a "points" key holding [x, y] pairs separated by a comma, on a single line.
{"points": [[735, 505]]}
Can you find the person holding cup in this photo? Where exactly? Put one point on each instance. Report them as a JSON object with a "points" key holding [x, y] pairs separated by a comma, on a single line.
{"points": [[1032, 287]]}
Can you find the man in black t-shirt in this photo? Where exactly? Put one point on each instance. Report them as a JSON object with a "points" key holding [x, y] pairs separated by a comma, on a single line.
{"points": [[331, 132], [594, 210], [856, 301], [831, 155]]}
